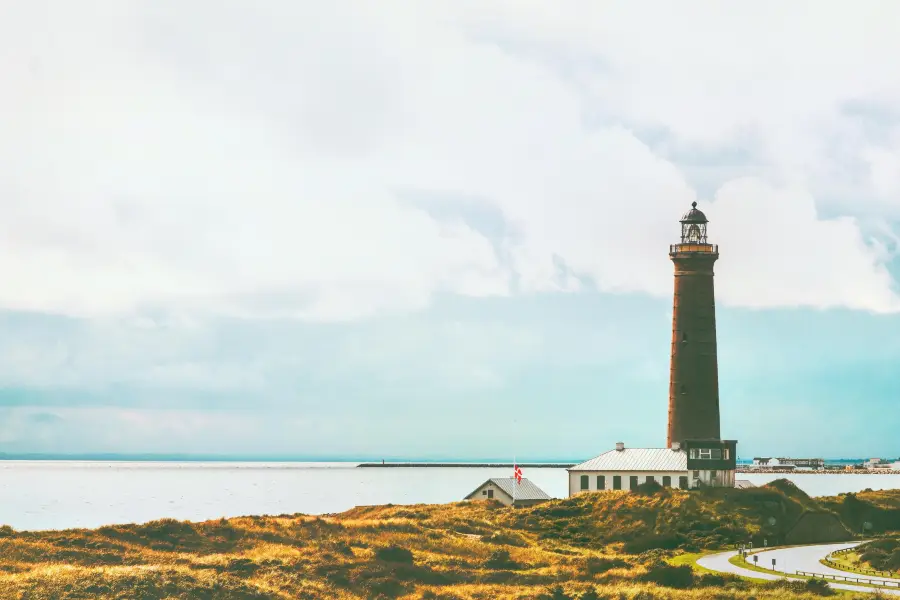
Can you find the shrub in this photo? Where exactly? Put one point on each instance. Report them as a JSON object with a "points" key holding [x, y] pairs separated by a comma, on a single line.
{"points": [[648, 488], [430, 595], [394, 554], [722, 580], [500, 559], [819, 587], [681, 577], [652, 542], [596, 565], [557, 593]]}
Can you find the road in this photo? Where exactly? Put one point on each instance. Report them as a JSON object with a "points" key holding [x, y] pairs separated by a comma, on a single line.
{"points": [[797, 558]]}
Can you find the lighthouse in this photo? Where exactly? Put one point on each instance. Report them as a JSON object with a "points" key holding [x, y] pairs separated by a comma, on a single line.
{"points": [[694, 369], [695, 455]]}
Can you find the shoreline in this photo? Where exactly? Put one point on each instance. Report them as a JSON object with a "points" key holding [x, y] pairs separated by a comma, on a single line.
{"points": [[745, 471]]}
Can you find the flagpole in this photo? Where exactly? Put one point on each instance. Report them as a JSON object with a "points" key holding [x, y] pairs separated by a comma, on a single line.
{"points": [[515, 479]]}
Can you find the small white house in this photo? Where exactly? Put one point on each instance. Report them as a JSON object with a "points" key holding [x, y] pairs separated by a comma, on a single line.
{"points": [[508, 492], [895, 466]]}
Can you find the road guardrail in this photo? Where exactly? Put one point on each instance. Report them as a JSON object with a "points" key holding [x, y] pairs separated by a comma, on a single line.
{"points": [[849, 579]]}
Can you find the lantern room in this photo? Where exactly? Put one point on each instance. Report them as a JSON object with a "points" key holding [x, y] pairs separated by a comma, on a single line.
{"points": [[693, 233]]}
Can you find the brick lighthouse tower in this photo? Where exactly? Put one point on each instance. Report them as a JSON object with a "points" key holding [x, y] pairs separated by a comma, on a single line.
{"points": [[694, 374]]}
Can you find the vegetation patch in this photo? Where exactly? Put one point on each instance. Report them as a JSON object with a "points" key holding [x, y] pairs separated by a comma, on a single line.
{"points": [[611, 545]]}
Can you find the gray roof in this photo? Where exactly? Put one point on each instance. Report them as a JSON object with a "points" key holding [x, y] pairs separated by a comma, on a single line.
{"points": [[636, 459], [743, 484], [523, 491]]}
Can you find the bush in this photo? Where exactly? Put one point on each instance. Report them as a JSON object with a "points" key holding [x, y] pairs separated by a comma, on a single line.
{"points": [[681, 577], [394, 554], [429, 595], [653, 542], [596, 565], [819, 587], [557, 593], [648, 488], [721, 580], [500, 559]]}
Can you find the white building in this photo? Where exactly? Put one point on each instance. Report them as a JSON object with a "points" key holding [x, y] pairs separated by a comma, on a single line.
{"points": [[627, 468], [508, 492]]}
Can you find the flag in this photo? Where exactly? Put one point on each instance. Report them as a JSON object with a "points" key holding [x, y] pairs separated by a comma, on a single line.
{"points": [[517, 474]]}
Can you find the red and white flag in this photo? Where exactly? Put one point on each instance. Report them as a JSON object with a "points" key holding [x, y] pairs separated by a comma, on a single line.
{"points": [[517, 473]]}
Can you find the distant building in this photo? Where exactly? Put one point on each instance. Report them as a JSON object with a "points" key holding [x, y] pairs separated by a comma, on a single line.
{"points": [[790, 463], [700, 463], [510, 493], [743, 484], [895, 466]]}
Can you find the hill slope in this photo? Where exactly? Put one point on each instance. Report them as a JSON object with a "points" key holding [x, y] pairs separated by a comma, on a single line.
{"points": [[610, 542]]}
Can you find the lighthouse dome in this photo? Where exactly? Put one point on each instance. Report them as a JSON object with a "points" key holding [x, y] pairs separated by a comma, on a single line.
{"points": [[694, 215]]}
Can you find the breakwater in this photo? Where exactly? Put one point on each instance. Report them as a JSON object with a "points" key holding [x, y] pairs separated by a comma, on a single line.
{"points": [[473, 465]]}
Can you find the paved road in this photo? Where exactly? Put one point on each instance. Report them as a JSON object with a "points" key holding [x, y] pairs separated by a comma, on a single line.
{"points": [[806, 558], [798, 558]]}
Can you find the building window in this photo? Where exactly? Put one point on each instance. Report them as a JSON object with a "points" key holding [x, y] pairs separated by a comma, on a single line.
{"points": [[617, 482], [601, 482], [490, 493], [683, 482], [705, 453], [484, 492], [726, 454], [651, 479], [693, 453], [585, 482], [633, 483], [667, 481], [715, 454]]}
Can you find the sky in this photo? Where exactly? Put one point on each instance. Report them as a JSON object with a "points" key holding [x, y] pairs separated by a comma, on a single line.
{"points": [[440, 229]]}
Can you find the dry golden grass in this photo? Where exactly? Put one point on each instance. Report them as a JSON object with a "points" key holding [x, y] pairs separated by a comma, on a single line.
{"points": [[462, 551]]}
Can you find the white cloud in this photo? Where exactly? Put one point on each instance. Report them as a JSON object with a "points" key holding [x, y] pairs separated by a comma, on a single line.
{"points": [[223, 158]]}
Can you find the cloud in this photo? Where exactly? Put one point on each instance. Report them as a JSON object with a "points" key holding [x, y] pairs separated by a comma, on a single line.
{"points": [[258, 162]]}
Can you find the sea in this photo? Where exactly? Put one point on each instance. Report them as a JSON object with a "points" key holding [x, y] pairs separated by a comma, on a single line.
{"points": [[46, 494]]}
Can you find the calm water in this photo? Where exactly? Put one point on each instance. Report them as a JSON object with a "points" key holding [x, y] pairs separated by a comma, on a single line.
{"points": [[57, 495]]}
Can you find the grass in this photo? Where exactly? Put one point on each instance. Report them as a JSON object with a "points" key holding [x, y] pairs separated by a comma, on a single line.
{"points": [[613, 544]]}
